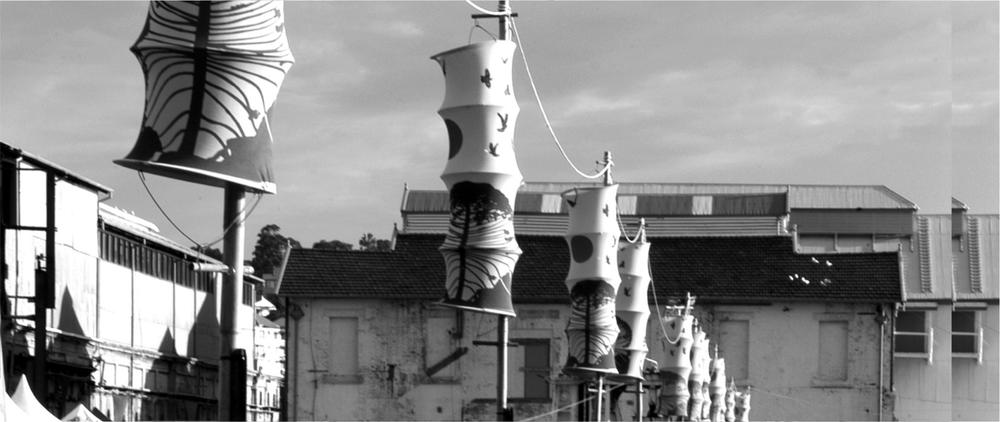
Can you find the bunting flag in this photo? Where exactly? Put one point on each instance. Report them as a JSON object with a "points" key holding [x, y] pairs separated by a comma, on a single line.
{"points": [[593, 279], [482, 177], [213, 71], [676, 365], [632, 306]]}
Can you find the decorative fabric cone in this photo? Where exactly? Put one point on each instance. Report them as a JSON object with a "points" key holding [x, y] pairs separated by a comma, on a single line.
{"points": [[717, 389], [676, 366], [482, 177], [26, 400], [593, 279], [632, 307], [213, 71], [742, 400], [699, 373]]}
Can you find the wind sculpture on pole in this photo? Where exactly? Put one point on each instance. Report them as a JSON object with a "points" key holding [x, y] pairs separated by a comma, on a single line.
{"points": [[717, 388], [632, 312], [480, 251], [699, 379], [676, 365], [212, 72]]}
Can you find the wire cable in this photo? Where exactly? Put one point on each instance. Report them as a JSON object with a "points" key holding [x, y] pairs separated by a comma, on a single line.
{"points": [[487, 11], [200, 246], [545, 117]]}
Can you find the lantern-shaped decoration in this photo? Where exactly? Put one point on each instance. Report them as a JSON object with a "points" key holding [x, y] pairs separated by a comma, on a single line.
{"points": [[213, 71], [717, 389], [731, 402], [632, 306], [479, 112], [699, 378], [706, 406], [676, 366], [593, 279], [742, 400]]}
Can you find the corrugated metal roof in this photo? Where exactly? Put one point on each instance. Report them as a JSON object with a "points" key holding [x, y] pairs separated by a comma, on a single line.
{"points": [[557, 224], [798, 196], [724, 268], [120, 220]]}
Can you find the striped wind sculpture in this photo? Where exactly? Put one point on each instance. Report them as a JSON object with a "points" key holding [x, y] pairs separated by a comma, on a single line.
{"points": [[479, 112], [213, 71]]}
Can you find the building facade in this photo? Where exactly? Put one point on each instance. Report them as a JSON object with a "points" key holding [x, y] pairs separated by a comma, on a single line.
{"points": [[804, 324], [131, 331]]}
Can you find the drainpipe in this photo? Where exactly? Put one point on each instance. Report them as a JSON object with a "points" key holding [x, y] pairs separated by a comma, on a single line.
{"points": [[880, 319]]}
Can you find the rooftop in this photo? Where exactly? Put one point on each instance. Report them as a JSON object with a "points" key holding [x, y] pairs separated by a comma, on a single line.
{"points": [[730, 269]]}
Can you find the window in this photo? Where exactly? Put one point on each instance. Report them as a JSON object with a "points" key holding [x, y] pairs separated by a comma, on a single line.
{"points": [[530, 369], [913, 335], [734, 345], [966, 335], [344, 345], [832, 351]]}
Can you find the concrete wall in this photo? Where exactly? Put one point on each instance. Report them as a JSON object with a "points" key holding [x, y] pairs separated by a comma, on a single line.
{"points": [[782, 360]]}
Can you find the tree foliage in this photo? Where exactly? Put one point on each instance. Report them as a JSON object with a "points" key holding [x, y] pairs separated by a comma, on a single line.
{"points": [[333, 244], [369, 243], [270, 249]]}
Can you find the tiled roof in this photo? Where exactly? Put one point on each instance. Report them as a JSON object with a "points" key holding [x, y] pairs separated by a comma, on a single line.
{"points": [[712, 268]]}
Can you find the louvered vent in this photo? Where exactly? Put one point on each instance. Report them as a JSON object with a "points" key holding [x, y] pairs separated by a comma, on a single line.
{"points": [[926, 284], [975, 275]]}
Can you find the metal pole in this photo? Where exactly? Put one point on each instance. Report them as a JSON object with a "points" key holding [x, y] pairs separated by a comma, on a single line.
{"points": [[43, 291], [231, 297], [600, 395], [501, 367], [638, 400], [607, 174]]}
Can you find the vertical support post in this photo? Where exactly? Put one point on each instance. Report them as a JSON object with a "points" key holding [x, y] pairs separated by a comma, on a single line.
{"points": [[607, 174], [502, 367], [600, 397], [43, 292], [230, 378], [638, 401]]}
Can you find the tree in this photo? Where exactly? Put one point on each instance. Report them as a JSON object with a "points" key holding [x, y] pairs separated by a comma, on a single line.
{"points": [[210, 251], [333, 244], [270, 249], [369, 243]]}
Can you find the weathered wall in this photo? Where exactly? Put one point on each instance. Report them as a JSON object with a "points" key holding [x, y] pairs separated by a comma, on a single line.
{"points": [[782, 354], [975, 393], [923, 389]]}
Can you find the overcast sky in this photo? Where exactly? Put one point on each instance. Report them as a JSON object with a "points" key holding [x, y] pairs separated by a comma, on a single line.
{"points": [[886, 93]]}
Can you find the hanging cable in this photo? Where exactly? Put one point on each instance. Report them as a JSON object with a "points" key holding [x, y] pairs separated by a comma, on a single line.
{"points": [[487, 11], [200, 246], [621, 226], [545, 117], [659, 318], [473, 30]]}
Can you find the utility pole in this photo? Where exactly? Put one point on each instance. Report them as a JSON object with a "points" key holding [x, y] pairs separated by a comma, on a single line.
{"points": [[232, 362]]}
